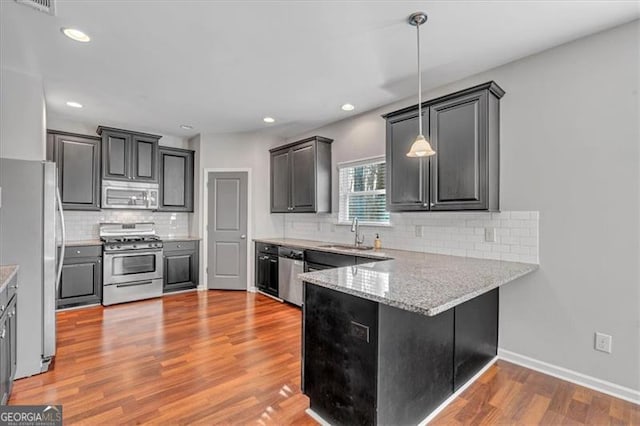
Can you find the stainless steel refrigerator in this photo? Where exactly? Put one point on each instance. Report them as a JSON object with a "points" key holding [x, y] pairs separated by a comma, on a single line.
{"points": [[29, 210]]}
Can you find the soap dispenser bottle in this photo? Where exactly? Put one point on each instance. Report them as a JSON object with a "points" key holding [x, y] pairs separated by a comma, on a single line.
{"points": [[377, 243]]}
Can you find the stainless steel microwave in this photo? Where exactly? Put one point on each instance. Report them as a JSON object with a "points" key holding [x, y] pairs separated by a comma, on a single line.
{"points": [[129, 195]]}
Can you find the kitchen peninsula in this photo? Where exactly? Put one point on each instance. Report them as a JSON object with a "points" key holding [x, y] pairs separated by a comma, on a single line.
{"points": [[387, 342]]}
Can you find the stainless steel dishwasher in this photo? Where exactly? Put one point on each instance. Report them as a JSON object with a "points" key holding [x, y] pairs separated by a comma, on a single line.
{"points": [[290, 265]]}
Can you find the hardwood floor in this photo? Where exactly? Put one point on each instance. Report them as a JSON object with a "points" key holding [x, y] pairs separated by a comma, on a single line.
{"points": [[508, 394], [234, 358]]}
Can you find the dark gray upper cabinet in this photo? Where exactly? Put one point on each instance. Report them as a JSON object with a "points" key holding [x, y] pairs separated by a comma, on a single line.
{"points": [[303, 181], [176, 179], [301, 176], [78, 161], [280, 177], [129, 156], [464, 174], [407, 180], [144, 158]]}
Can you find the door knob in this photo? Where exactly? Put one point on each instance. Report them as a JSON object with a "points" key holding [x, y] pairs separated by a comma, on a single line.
{"points": [[242, 237]]}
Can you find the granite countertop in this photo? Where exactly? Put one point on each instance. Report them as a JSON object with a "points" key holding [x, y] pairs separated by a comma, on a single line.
{"points": [[6, 274], [169, 239], [80, 243], [425, 283]]}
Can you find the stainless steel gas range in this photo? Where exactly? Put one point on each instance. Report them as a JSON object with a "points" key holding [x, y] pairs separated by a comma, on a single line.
{"points": [[132, 262]]}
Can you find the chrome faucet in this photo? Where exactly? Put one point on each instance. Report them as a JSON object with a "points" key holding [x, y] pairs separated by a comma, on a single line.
{"points": [[355, 227]]}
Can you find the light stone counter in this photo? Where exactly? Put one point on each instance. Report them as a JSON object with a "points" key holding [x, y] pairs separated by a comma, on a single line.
{"points": [[425, 283], [83, 243], [6, 275]]}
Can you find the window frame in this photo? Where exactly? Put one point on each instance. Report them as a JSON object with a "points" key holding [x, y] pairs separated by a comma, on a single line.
{"points": [[355, 163]]}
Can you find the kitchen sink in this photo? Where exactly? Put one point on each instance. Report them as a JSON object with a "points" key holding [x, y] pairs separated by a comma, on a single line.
{"points": [[347, 247]]}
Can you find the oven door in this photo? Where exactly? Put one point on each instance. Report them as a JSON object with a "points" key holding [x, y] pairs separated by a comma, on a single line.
{"points": [[124, 267]]}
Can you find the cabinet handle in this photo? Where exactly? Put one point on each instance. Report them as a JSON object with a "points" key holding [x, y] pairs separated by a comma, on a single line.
{"points": [[4, 333], [2, 308], [77, 251], [179, 246], [15, 286], [99, 261], [424, 204]]}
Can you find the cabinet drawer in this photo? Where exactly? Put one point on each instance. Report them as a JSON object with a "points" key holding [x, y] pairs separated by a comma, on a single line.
{"points": [[180, 245], [267, 248], [82, 251]]}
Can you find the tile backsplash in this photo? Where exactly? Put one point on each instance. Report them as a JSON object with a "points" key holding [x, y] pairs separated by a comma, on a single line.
{"points": [[81, 225], [460, 234]]}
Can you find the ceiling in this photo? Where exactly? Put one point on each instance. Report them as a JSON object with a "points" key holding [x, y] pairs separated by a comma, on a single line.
{"points": [[222, 66]]}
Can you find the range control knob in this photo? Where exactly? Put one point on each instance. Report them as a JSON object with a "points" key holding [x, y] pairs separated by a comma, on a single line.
{"points": [[118, 246], [134, 246]]}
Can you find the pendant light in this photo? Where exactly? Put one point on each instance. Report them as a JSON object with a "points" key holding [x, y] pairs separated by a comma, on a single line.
{"points": [[421, 146]]}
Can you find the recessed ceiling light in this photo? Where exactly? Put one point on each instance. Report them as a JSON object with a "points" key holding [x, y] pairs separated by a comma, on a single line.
{"points": [[186, 127], [347, 107], [75, 34], [269, 120], [74, 104]]}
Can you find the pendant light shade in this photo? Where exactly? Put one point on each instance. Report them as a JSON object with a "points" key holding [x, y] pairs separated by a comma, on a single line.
{"points": [[421, 146]]}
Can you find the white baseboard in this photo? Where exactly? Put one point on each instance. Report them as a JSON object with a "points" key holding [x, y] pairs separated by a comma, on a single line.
{"points": [[596, 384], [317, 417]]}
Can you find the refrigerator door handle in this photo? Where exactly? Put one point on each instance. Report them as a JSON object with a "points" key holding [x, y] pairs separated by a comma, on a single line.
{"points": [[64, 239]]}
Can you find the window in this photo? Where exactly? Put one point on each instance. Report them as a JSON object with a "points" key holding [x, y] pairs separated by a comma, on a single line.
{"points": [[362, 192]]}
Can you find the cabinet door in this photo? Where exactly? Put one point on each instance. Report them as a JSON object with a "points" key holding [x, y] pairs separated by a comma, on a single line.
{"points": [[272, 281], [340, 341], [459, 179], [12, 329], [144, 159], [78, 161], [280, 181], [5, 361], [116, 155], [80, 283], [180, 270], [303, 177], [407, 178], [176, 180]]}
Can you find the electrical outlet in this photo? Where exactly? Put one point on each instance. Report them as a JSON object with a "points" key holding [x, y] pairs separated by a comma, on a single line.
{"points": [[490, 235], [603, 342], [419, 231]]}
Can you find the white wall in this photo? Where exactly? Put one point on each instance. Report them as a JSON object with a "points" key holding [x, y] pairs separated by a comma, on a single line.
{"points": [[239, 150], [22, 116], [570, 150]]}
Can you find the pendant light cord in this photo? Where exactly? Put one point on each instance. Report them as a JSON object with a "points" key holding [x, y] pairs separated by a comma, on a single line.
{"points": [[419, 82]]}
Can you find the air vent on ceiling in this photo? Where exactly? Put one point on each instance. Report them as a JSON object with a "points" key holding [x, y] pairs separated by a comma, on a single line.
{"points": [[46, 6]]}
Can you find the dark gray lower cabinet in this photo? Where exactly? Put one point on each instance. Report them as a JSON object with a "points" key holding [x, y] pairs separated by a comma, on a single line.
{"points": [[8, 340], [180, 265], [81, 280], [366, 363]]}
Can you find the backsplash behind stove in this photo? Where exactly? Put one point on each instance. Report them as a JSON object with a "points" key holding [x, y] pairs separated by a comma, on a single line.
{"points": [[82, 225]]}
